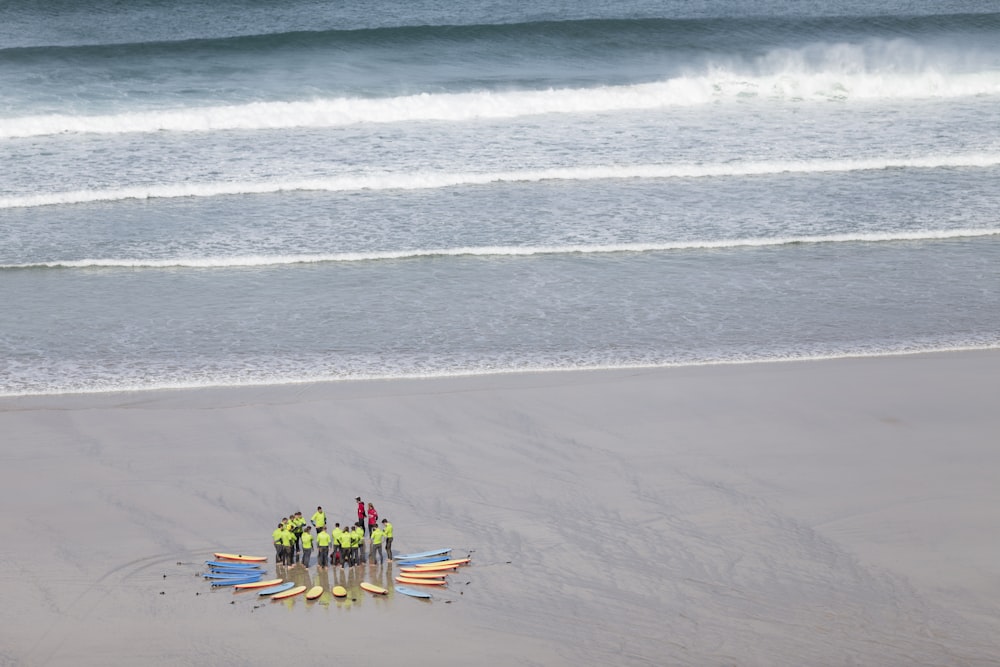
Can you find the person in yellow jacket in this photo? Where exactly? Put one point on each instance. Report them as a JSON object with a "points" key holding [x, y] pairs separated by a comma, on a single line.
{"points": [[345, 548], [376, 553], [287, 545], [323, 540], [276, 538], [357, 542], [319, 518], [338, 551], [307, 546], [387, 531]]}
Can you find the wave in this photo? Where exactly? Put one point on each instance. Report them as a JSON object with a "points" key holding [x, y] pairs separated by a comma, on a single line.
{"points": [[502, 251], [434, 180], [791, 81], [650, 31]]}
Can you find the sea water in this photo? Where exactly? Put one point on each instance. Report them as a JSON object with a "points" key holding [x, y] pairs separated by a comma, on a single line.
{"points": [[198, 194]]}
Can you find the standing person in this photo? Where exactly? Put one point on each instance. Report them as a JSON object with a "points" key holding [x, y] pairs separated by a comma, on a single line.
{"points": [[319, 518], [298, 522], [376, 553], [288, 545], [307, 546], [323, 547], [361, 512], [358, 544], [387, 531], [372, 518], [276, 538], [338, 552], [345, 548]]}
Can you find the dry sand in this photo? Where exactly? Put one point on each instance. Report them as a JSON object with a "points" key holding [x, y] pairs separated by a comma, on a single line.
{"points": [[812, 513]]}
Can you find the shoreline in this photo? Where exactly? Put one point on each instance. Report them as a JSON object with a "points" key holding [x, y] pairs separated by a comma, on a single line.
{"points": [[814, 512], [502, 372]]}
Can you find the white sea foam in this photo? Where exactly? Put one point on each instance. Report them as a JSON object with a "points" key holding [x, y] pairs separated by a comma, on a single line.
{"points": [[431, 180], [503, 251], [788, 80]]}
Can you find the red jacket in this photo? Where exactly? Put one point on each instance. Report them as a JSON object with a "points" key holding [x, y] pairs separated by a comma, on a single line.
{"points": [[372, 516]]}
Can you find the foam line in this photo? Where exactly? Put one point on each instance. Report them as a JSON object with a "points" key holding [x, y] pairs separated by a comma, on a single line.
{"points": [[432, 180], [502, 251]]}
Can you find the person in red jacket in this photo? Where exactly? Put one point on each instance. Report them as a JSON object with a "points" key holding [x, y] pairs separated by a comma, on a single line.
{"points": [[372, 518], [361, 512]]}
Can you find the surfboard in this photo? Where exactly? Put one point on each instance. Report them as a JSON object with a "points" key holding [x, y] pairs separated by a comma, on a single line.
{"points": [[289, 593], [422, 554], [234, 582], [420, 582], [421, 561], [241, 558], [339, 591], [413, 592], [439, 569], [232, 575], [232, 564], [414, 573], [314, 592], [454, 561], [276, 589], [372, 588], [257, 584], [241, 571]]}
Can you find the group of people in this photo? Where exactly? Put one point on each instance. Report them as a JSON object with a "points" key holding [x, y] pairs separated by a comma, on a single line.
{"points": [[294, 540]]}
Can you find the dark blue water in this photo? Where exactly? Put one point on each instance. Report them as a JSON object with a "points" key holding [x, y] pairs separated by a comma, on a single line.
{"points": [[248, 193]]}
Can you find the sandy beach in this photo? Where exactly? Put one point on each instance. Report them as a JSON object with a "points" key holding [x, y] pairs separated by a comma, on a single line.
{"points": [[839, 512]]}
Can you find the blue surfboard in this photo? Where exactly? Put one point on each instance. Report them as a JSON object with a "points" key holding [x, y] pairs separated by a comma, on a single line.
{"points": [[414, 592], [233, 582], [277, 589], [232, 564], [231, 575], [422, 554]]}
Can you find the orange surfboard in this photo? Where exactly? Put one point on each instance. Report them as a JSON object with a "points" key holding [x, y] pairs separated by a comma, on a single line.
{"points": [[420, 582], [241, 557], [372, 588], [289, 593], [423, 575]]}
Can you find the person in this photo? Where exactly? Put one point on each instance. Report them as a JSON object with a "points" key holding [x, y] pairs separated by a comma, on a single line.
{"points": [[361, 511], [276, 538], [319, 518], [323, 548], [338, 552], [372, 518], [387, 532], [345, 548], [307, 546], [376, 553], [287, 545], [298, 523], [358, 544]]}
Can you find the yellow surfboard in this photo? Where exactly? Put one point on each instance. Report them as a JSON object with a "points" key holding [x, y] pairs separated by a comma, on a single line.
{"points": [[289, 593], [414, 568], [444, 563], [339, 591], [314, 592], [372, 588], [259, 584]]}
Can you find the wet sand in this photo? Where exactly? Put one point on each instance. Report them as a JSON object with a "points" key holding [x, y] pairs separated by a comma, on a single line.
{"points": [[808, 513]]}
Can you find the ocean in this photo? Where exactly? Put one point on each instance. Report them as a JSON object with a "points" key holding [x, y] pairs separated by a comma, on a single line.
{"points": [[236, 193]]}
